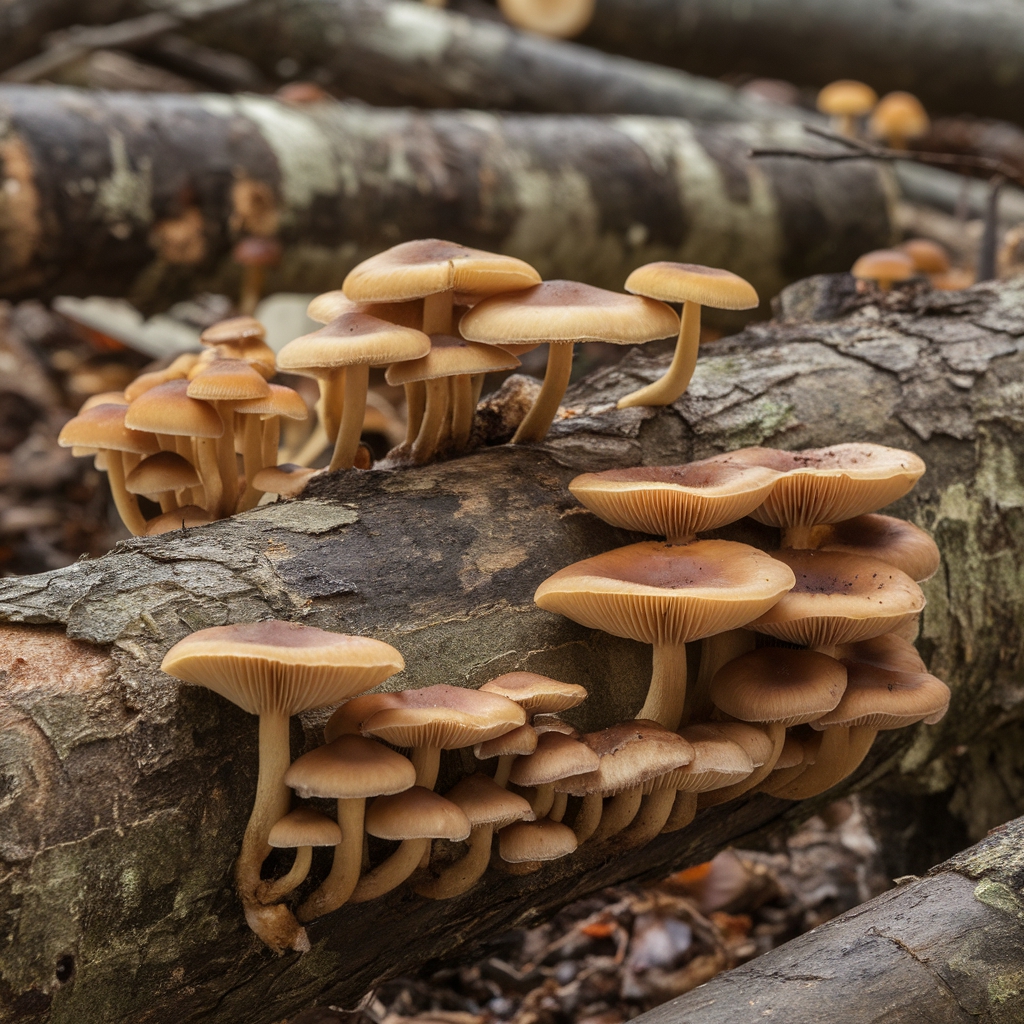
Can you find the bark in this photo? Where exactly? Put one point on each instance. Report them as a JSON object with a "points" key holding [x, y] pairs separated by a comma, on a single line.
{"points": [[143, 196], [955, 57], [945, 949], [126, 794]]}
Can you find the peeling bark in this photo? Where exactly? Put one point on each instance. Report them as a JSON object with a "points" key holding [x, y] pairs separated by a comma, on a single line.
{"points": [[126, 794]]}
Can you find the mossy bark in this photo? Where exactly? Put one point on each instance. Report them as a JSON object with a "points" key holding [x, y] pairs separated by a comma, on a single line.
{"points": [[125, 793]]}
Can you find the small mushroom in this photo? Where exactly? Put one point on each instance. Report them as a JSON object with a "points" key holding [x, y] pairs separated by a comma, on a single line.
{"points": [[299, 830], [527, 845], [560, 19], [883, 266], [846, 101], [241, 337], [506, 748], [185, 518], [160, 476], [894, 541], [899, 118], [287, 480], [927, 256], [557, 758]]}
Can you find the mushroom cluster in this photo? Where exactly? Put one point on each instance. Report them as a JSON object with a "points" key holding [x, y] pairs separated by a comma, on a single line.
{"points": [[896, 119]]}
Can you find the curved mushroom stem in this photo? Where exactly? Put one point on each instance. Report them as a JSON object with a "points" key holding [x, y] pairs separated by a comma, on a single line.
{"points": [[677, 378], [650, 819], [715, 651], [393, 872], [828, 768], [543, 798], [434, 417], [667, 694], [313, 447], [415, 403], [331, 406], [357, 383], [504, 769], [427, 762], [127, 504], [271, 892], [226, 461], [338, 886], [461, 876], [209, 473], [684, 810], [558, 805], [538, 420], [713, 797], [619, 812], [463, 408], [588, 817]]}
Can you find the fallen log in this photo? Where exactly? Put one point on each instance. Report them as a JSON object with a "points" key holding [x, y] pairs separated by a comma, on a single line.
{"points": [[143, 196], [941, 949], [125, 794]]}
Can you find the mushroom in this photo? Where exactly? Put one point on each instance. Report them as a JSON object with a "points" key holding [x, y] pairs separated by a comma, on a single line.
{"points": [[802, 740], [241, 337], [558, 757], [162, 475], [340, 355], [105, 428], [349, 769], [255, 254], [287, 480], [185, 518], [829, 485], [177, 370], [560, 19], [413, 818], [899, 118], [675, 502], [894, 541], [563, 313], [694, 286], [330, 305], [526, 845], [275, 670], [927, 256], [299, 830], [667, 595], [845, 101], [884, 267], [488, 807], [506, 748]]}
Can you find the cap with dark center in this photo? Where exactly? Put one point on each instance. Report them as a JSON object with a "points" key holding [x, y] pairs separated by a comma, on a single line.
{"points": [[846, 100], [884, 267], [299, 830], [694, 286], [667, 595], [676, 502], [894, 541]]}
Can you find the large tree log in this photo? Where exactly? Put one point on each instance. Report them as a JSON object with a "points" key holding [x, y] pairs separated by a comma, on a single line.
{"points": [[125, 794], [142, 195], [945, 949]]}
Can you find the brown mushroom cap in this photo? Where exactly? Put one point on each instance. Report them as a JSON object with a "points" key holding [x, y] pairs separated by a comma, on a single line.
{"points": [[718, 761], [829, 485], [884, 265], [556, 757], [510, 744], [887, 651], [185, 518], [105, 426], [568, 311], [899, 114], [286, 479], [281, 666], [304, 827], [236, 330], [542, 840], [675, 501], [839, 599], [690, 282], [756, 741], [168, 409], [350, 768], [484, 802], [429, 266], [890, 540], [228, 380], [792, 753], [927, 256], [443, 717], [330, 305], [664, 593], [779, 685], [847, 97], [416, 813], [164, 471], [449, 357], [282, 401], [352, 339], [537, 694], [257, 251], [349, 718]]}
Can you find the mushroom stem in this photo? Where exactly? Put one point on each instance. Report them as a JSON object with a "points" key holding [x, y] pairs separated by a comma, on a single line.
{"points": [[543, 798], [252, 460], [166, 501], [650, 819], [777, 732], [828, 768], [313, 447], [504, 769], [434, 417], [331, 404], [271, 892], [667, 694], [271, 440], [338, 886], [252, 288], [226, 461], [538, 420], [437, 313], [208, 469], [802, 537], [357, 382], [684, 810], [127, 504], [715, 651], [461, 876], [618, 813], [677, 378], [184, 446], [478, 387], [426, 761], [588, 817], [392, 872], [861, 739], [415, 403], [463, 408], [847, 125], [558, 805]]}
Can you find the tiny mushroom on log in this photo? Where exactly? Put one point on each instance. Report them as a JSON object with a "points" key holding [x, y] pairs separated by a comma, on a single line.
{"points": [[561, 19], [241, 337], [299, 830], [526, 845], [185, 518], [899, 118], [885, 267], [927, 256], [557, 757], [506, 748], [846, 101], [159, 476]]}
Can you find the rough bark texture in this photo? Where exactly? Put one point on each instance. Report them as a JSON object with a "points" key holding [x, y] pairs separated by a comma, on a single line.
{"points": [[946, 949], [956, 57], [125, 794], [143, 195]]}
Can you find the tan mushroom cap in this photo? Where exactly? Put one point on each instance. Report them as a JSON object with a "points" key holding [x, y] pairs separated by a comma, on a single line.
{"points": [[286, 479], [353, 339], [690, 282], [104, 398], [281, 666], [792, 753], [830, 485], [840, 599], [228, 380], [304, 827], [416, 813], [449, 357], [537, 694], [718, 761], [568, 311], [484, 802], [927, 256], [443, 717], [891, 540], [899, 114], [330, 305], [556, 757], [168, 409], [105, 426], [675, 501], [349, 718], [752, 738], [883, 265], [664, 593], [258, 354], [630, 753], [164, 471], [428, 266], [552, 723], [779, 685], [847, 97], [350, 768], [561, 20], [888, 651], [542, 840], [514, 743], [185, 518], [282, 401], [236, 330]]}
